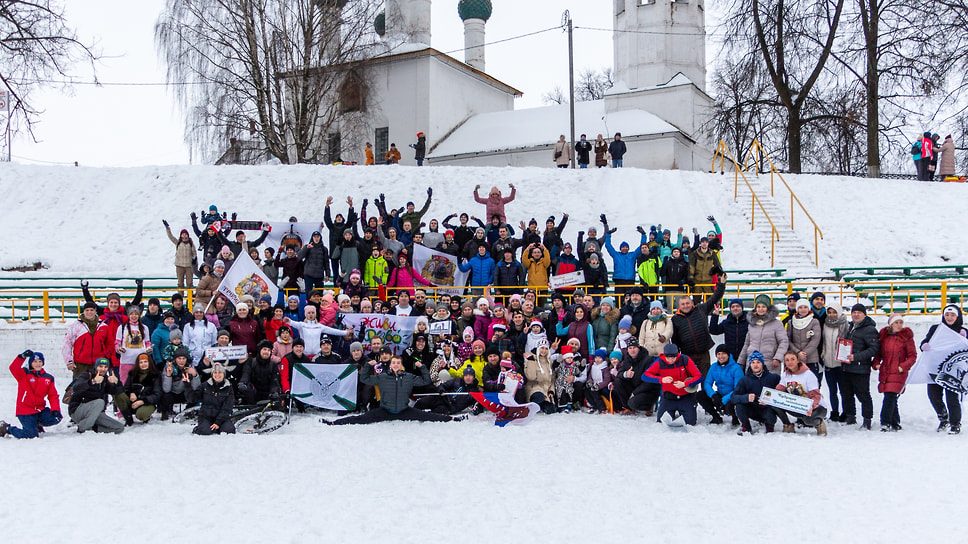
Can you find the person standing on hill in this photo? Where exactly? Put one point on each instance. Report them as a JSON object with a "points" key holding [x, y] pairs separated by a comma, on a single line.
{"points": [[393, 155], [947, 167], [617, 150], [368, 150], [184, 256], [495, 202], [583, 148], [420, 148], [561, 153], [601, 149], [927, 155]]}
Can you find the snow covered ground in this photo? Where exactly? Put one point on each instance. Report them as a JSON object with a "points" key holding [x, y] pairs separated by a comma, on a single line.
{"points": [[567, 477]]}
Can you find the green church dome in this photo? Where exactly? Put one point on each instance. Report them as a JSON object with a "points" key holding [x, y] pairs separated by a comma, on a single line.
{"points": [[474, 9]]}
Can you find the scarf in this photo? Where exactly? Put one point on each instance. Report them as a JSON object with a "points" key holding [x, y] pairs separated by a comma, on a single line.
{"points": [[91, 324], [800, 323]]}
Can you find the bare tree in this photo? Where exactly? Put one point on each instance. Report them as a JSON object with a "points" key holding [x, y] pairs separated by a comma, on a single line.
{"points": [[555, 96], [37, 48], [592, 84], [283, 68], [744, 108]]}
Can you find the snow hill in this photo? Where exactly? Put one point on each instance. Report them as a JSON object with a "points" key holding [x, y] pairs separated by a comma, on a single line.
{"points": [[107, 221]]}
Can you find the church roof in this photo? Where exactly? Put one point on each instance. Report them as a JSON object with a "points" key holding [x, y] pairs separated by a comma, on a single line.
{"points": [[474, 9], [533, 127]]}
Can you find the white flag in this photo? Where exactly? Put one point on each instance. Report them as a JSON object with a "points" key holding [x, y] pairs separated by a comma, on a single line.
{"points": [[246, 278], [945, 363], [440, 269], [325, 386], [284, 229]]}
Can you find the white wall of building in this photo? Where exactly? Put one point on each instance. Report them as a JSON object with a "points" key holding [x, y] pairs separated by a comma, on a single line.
{"points": [[684, 106], [656, 39]]}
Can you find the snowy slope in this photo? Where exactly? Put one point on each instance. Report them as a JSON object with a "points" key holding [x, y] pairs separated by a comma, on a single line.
{"points": [[108, 221]]}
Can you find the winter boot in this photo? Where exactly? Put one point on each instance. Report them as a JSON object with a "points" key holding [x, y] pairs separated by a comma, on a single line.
{"points": [[735, 422], [716, 420], [165, 416], [822, 428], [128, 419], [849, 420], [955, 429], [834, 416], [789, 428], [943, 424], [744, 431], [3, 428], [866, 425], [886, 428], [460, 417]]}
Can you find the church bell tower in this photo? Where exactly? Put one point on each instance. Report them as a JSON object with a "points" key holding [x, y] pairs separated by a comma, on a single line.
{"points": [[656, 39]]}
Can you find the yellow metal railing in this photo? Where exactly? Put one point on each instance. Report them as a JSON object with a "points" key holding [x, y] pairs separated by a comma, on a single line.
{"points": [[757, 154], [721, 152]]}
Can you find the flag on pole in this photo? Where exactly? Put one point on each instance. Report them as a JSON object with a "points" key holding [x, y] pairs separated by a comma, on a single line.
{"points": [[440, 269], [506, 410], [325, 386], [246, 278], [945, 363], [283, 232]]}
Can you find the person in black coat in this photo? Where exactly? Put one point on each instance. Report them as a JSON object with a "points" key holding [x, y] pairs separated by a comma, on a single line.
{"points": [[636, 307], [208, 241], [90, 397], [856, 378], [142, 392], [617, 150], [596, 275], [218, 398], [746, 396], [690, 326], [630, 391], [464, 231], [260, 377], [420, 148], [315, 258], [508, 274], [582, 148], [453, 397], [734, 327]]}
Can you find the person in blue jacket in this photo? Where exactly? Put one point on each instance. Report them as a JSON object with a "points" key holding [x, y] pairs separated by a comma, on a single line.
{"points": [[623, 260], [746, 395], [718, 386], [481, 267]]}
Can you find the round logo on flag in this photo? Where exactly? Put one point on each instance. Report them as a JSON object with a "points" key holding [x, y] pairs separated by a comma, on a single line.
{"points": [[325, 385]]}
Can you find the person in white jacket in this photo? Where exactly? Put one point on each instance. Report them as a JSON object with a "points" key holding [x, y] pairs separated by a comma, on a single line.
{"points": [[656, 331], [311, 331], [199, 334]]}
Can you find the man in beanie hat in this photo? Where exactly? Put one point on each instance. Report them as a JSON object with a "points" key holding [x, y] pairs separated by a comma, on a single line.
{"points": [[677, 375], [218, 398], [717, 387], [733, 327], [90, 397], [636, 306], [856, 378], [35, 388], [746, 395], [260, 376], [153, 315], [792, 300], [81, 348]]}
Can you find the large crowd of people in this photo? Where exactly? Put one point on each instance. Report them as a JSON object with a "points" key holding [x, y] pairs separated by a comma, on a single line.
{"points": [[640, 338]]}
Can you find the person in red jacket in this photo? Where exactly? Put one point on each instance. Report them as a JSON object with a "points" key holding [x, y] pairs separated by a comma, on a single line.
{"points": [[35, 388], [896, 357], [677, 374], [81, 346]]}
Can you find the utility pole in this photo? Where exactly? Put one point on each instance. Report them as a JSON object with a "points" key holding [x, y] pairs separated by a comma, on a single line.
{"points": [[566, 17]]}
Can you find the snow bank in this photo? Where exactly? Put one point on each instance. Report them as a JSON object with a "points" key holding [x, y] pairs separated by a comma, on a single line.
{"points": [[107, 221]]}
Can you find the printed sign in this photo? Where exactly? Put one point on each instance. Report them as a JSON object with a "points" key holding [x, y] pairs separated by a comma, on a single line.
{"points": [[564, 280], [395, 330], [439, 327], [224, 353], [786, 401], [440, 269], [844, 348], [246, 278]]}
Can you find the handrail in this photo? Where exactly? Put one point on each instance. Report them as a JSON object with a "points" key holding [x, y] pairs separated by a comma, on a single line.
{"points": [[757, 147], [721, 151]]}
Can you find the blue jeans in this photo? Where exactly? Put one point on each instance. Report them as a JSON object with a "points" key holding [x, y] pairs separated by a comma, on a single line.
{"points": [[616, 163], [419, 162], [685, 407], [583, 165], [30, 423]]}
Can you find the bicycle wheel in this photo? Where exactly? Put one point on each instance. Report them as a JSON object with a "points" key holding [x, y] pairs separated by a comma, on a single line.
{"points": [[262, 422], [188, 415]]}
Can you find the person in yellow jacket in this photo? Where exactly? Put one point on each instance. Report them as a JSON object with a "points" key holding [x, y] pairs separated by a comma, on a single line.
{"points": [[370, 160], [476, 361], [536, 260], [376, 269]]}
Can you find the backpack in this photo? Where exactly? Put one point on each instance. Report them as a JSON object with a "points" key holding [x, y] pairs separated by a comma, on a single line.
{"points": [[916, 148]]}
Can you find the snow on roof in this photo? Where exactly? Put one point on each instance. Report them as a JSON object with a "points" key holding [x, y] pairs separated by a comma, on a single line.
{"points": [[677, 80], [498, 131]]}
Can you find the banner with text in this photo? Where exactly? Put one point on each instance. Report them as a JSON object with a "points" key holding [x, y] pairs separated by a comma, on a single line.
{"points": [[786, 401], [395, 330], [439, 269], [945, 362]]}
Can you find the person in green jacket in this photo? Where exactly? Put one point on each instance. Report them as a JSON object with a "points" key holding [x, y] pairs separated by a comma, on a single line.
{"points": [[376, 270], [648, 269], [413, 217]]}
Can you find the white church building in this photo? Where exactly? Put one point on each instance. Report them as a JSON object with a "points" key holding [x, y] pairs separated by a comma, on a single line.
{"points": [[658, 102]]}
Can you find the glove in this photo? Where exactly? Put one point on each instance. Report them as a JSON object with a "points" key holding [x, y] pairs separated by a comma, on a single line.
{"points": [[603, 219], [301, 283], [193, 215], [717, 401], [383, 197], [610, 231], [27, 354], [84, 284], [234, 215], [225, 215], [430, 192], [695, 230], [57, 415], [283, 282], [164, 222], [641, 230], [711, 219], [365, 202], [139, 282], [378, 280]]}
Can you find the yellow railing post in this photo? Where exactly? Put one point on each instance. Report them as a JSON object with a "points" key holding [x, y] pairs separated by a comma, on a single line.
{"points": [[46, 307], [944, 295]]}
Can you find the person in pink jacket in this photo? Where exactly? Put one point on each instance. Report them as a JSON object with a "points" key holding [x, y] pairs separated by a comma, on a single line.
{"points": [[406, 276], [494, 203]]}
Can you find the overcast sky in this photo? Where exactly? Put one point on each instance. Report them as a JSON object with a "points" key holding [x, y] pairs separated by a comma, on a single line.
{"points": [[140, 125]]}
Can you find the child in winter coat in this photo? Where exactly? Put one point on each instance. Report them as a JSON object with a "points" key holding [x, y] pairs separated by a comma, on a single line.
{"points": [[624, 334], [464, 350], [570, 377], [283, 344], [35, 388], [598, 382], [539, 374], [376, 270]]}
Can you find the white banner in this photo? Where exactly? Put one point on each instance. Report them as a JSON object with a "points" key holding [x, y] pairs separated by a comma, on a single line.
{"points": [[945, 363], [786, 401], [393, 329], [439, 327], [326, 386], [440, 269], [564, 280], [245, 278], [304, 230], [224, 353]]}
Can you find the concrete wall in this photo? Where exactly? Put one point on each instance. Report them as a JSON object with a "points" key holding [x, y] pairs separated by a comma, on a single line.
{"points": [[684, 106], [666, 37]]}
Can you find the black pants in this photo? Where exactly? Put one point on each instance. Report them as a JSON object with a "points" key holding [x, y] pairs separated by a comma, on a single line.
{"points": [[382, 414], [756, 412], [953, 411], [596, 399], [702, 362], [542, 401], [169, 399], [644, 397], [814, 419], [251, 395], [889, 414], [859, 386], [576, 399], [205, 427], [437, 405]]}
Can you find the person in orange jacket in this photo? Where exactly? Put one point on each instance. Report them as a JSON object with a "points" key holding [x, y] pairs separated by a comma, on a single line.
{"points": [[369, 154], [393, 154]]}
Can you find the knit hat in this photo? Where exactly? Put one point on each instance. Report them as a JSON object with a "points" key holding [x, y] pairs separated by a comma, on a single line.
{"points": [[343, 297], [499, 327], [448, 232], [506, 363], [803, 302], [533, 221], [625, 322], [762, 299], [817, 295], [477, 342], [637, 290], [37, 356], [225, 249], [133, 309], [90, 305], [468, 331], [298, 342], [514, 297], [224, 332], [483, 301], [756, 356], [267, 298], [264, 344], [103, 361], [623, 244], [566, 352], [615, 355], [175, 334], [325, 339], [793, 296], [469, 371], [166, 314], [608, 300], [356, 273], [198, 308], [656, 304], [735, 301], [177, 296], [218, 263], [893, 318], [721, 349], [542, 342], [356, 346], [859, 308], [536, 323], [670, 350], [632, 342], [213, 208], [181, 352], [292, 298], [600, 352]]}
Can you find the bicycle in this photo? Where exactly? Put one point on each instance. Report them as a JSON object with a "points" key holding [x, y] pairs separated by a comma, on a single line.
{"points": [[261, 418]]}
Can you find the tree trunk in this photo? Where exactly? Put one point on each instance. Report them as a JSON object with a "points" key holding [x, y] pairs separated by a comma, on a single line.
{"points": [[873, 91], [794, 139]]}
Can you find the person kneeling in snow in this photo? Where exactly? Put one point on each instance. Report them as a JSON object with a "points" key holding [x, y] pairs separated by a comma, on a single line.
{"points": [[797, 379], [35, 388], [395, 386], [746, 395], [678, 375], [718, 386], [91, 390], [218, 398]]}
